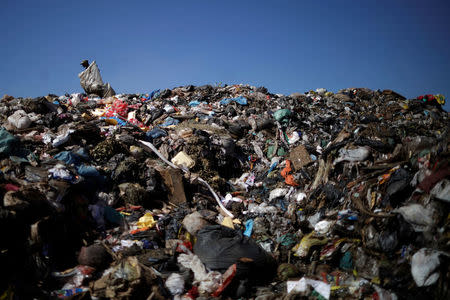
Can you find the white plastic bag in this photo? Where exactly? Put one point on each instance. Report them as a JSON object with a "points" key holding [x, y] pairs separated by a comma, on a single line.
{"points": [[175, 284], [90, 79], [419, 217], [424, 264], [324, 289], [208, 281], [353, 155], [19, 119]]}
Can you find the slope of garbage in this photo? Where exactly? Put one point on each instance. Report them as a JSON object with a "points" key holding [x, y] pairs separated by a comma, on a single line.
{"points": [[226, 192]]}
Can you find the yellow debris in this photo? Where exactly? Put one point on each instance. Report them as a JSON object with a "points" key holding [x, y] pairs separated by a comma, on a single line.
{"points": [[228, 222], [146, 221]]}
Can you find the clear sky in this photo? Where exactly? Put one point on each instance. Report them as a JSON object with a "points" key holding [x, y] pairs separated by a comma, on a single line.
{"points": [[287, 46]]}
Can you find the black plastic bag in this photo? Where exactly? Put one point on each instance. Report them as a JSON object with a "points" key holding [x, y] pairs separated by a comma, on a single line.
{"points": [[219, 247]]}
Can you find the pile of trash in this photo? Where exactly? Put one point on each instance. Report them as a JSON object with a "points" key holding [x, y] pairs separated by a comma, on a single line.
{"points": [[228, 192]]}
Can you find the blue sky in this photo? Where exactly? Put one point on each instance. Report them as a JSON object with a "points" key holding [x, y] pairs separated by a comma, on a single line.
{"points": [[287, 46]]}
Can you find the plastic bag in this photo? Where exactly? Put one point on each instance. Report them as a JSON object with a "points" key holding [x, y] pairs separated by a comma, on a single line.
{"points": [[418, 216], [118, 107], [240, 100], [19, 119], [324, 289], [175, 284], [353, 155], [194, 222], [91, 81], [309, 240], [323, 227], [441, 190], [145, 221], [281, 114], [423, 267], [219, 247], [286, 173], [208, 281]]}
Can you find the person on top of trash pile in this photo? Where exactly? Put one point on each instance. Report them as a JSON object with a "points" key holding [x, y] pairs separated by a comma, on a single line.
{"points": [[85, 64]]}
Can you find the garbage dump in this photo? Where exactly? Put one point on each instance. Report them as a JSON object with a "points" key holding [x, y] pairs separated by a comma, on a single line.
{"points": [[227, 192]]}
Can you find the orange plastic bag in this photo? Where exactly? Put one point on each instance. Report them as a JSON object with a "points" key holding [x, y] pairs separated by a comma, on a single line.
{"points": [[288, 178]]}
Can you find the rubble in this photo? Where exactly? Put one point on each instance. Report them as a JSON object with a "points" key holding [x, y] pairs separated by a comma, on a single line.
{"points": [[224, 191]]}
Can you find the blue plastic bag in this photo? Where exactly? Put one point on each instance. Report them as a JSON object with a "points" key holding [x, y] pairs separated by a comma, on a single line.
{"points": [[248, 228], [194, 103], [170, 121], [239, 100], [68, 157], [155, 133]]}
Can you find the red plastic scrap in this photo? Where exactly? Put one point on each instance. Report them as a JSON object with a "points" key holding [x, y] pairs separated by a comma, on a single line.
{"points": [[135, 106], [118, 107], [192, 293], [428, 98], [134, 207], [324, 277], [135, 231], [11, 187], [129, 207], [181, 247], [430, 181], [327, 251], [286, 173], [336, 278], [227, 278], [85, 270], [136, 122]]}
